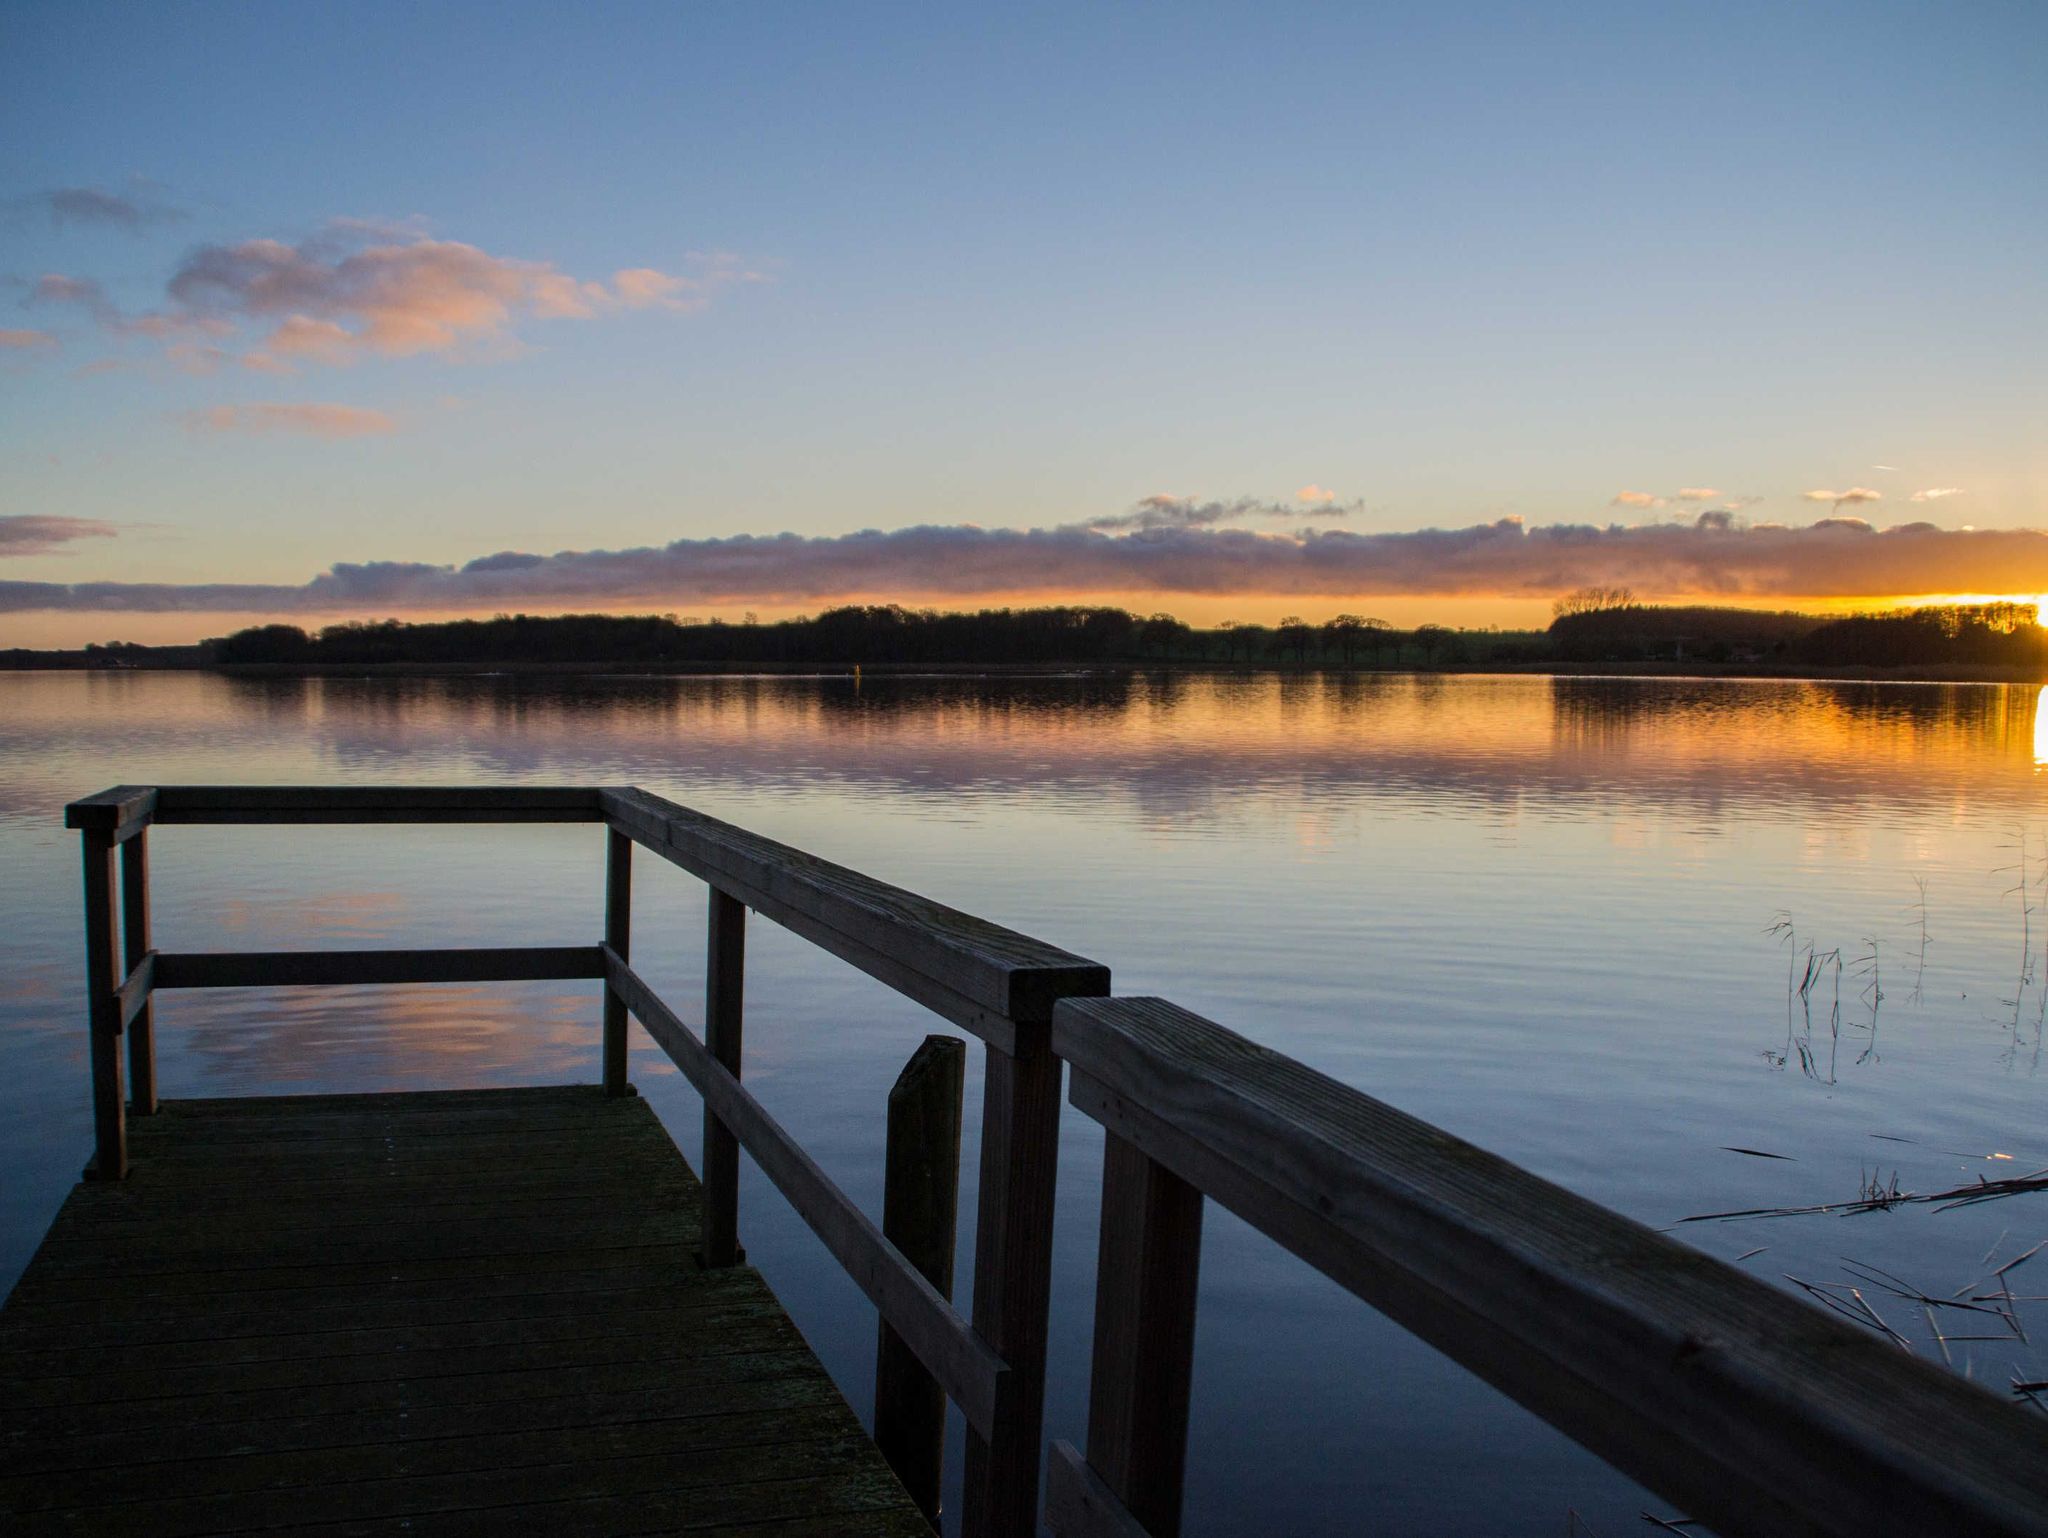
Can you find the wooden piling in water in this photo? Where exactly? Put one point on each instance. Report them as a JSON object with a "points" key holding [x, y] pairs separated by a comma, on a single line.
{"points": [[920, 1211]]}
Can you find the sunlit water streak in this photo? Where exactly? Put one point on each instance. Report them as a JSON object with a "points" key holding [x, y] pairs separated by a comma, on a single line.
{"points": [[1534, 911]]}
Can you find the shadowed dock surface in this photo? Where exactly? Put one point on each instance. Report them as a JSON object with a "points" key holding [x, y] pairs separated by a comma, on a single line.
{"points": [[464, 1312]]}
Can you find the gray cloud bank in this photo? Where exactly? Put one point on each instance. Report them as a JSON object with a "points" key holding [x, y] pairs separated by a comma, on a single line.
{"points": [[131, 210], [1713, 556]]}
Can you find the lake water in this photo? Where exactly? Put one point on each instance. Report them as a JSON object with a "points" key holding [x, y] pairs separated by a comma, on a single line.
{"points": [[1534, 911]]}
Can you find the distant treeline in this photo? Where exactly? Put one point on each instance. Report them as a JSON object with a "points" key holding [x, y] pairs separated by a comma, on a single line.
{"points": [[873, 634], [1594, 626], [1995, 634]]}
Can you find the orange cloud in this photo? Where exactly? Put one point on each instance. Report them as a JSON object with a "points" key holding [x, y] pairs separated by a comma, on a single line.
{"points": [[314, 418], [334, 299], [1849, 498], [26, 339], [323, 341], [1314, 493], [1636, 499]]}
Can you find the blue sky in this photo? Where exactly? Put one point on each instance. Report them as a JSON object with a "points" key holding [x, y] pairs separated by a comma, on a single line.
{"points": [[1020, 270]]}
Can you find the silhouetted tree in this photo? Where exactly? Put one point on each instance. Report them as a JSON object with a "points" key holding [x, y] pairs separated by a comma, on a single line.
{"points": [[1162, 632], [1435, 641], [1592, 600], [1294, 635], [267, 643], [1344, 632]]}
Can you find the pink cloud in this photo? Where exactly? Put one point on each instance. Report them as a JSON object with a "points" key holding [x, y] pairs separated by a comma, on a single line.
{"points": [[313, 418], [38, 534], [336, 298], [20, 340], [323, 341], [639, 287]]}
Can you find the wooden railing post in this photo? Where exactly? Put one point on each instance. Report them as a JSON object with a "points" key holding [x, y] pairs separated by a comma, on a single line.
{"points": [[1146, 1265], [618, 934], [1020, 1122], [920, 1208], [103, 1010], [135, 946], [725, 959]]}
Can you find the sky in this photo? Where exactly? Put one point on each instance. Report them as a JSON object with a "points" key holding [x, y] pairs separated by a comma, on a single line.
{"points": [[1421, 312]]}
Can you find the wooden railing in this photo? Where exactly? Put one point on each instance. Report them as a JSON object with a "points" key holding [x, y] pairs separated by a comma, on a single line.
{"points": [[1752, 1411], [993, 982]]}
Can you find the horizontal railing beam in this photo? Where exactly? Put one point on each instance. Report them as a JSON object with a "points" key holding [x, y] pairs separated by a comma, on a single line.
{"points": [[972, 1374], [134, 991], [321, 969], [121, 812], [376, 803], [981, 976], [127, 809], [1750, 1410], [1079, 1502]]}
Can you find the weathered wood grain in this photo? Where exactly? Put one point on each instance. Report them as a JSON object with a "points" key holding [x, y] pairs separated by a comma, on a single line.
{"points": [[193, 1351], [920, 1215], [133, 995], [960, 964], [298, 969], [1020, 1122], [103, 1011], [973, 1375], [375, 803], [1147, 1261], [120, 813], [725, 976], [618, 937], [138, 1020], [1746, 1408], [1078, 1504]]}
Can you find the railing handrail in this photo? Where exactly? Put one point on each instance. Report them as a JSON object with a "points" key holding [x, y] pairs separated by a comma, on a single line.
{"points": [[979, 974], [1751, 1410]]}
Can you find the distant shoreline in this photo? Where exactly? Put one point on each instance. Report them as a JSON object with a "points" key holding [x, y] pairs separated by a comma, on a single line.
{"points": [[1948, 673]]}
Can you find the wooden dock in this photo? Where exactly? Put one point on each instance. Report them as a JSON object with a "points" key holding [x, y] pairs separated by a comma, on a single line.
{"points": [[445, 1313], [519, 1312]]}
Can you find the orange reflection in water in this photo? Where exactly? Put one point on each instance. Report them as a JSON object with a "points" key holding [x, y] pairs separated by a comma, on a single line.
{"points": [[1184, 741]]}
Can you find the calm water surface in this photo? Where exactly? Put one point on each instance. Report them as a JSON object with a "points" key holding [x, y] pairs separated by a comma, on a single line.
{"points": [[1534, 911]]}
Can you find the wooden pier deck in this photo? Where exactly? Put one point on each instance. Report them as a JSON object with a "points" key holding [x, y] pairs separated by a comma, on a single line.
{"points": [[518, 1312], [443, 1313]]}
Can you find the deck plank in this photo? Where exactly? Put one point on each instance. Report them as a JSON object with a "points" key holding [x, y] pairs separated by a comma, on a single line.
{"points": [[450, 1312]]}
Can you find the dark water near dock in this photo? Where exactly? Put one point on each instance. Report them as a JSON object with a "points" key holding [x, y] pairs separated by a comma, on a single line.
{"points": [[1534, 911]]}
